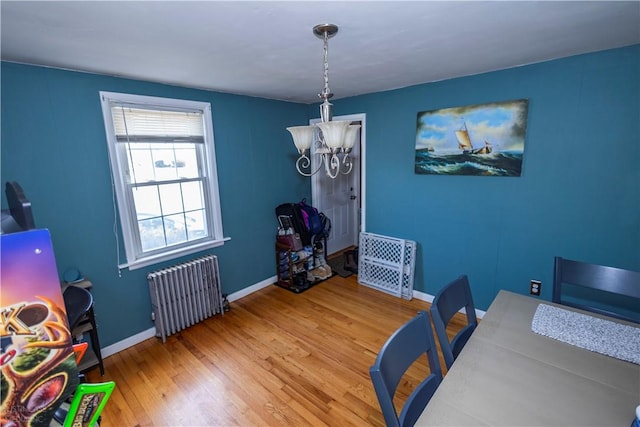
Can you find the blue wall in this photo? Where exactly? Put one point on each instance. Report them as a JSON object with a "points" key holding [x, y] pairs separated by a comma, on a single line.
{"points": [[54, 145], [578, 196]]}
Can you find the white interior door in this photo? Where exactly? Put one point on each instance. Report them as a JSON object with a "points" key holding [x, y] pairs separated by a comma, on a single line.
{"points": [[340, 198]]}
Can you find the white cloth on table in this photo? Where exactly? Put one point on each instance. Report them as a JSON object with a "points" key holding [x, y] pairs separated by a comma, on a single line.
{"points": [[592, 333]]}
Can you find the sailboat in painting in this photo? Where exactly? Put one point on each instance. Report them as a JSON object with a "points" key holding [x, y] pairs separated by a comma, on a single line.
{"points": [[492, 145], [464, 142]]}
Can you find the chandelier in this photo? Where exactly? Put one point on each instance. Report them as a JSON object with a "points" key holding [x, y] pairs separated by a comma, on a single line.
{"points": [[333, 140]]}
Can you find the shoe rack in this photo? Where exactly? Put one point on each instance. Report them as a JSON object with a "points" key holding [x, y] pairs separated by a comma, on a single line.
{"points": [[300, 270]]}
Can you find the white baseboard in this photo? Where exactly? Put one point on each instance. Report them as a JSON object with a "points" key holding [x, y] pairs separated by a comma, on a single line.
{"points": [[429, 298], [128, 342], [251, 289], [422, 296], [151, 332]]}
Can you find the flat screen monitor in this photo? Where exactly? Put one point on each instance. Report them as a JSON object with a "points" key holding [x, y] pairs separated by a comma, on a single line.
{"points": [[18, 217]]}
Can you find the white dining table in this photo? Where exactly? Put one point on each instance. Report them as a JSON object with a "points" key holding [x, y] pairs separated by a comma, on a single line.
{"points": [[508, 375]]}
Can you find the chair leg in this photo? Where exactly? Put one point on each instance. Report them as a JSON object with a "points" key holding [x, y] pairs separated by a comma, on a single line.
{"points": [[95, 342]]}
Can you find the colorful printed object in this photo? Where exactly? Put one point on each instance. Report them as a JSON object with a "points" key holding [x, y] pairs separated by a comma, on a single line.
{"points": [[37, 360]]}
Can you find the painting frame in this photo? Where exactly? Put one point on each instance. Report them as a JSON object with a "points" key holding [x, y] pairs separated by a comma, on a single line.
{"points": [[477, 140]]}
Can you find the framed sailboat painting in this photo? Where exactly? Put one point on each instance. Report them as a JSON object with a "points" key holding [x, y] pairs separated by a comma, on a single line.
{"points": [[481, 140]]}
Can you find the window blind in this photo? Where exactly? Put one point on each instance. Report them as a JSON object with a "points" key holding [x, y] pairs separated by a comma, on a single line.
{"points": [[148, 125]]}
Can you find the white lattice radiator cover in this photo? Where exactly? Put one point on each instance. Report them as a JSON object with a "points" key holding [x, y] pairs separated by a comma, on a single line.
{"points": [[387, 264]]}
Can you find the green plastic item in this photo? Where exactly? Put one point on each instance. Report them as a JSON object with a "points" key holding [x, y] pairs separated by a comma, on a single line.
{"points": [[88, 402]]}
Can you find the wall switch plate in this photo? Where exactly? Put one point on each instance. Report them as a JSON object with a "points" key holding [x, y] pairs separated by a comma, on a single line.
{"points": [[534, 287]]}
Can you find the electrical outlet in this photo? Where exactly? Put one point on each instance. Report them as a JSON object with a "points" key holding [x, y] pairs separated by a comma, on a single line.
{"points": [[534, 287]]}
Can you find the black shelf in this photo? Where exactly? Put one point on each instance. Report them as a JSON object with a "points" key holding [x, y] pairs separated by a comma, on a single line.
{"points": [[294, 271]]}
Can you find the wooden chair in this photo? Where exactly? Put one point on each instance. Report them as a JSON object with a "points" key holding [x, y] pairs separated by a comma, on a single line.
{"points": [[585, 277], [447, 302], [401, 350]]}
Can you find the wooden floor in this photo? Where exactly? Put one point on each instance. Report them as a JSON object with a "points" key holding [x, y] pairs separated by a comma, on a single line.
{"points": [[277, 358]]}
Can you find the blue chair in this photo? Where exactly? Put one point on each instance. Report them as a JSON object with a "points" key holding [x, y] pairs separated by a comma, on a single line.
{"points": [[451, 299], [599, 289], [402, 349]]}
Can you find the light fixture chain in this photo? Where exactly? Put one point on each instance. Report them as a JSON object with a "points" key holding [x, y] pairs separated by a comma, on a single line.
{"points": [[326, 91], [305, 139]]}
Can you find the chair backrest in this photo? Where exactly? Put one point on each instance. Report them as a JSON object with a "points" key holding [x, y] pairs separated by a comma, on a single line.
{"points": [[615, 281], [447, 302], [77, 302], [402, 349]]}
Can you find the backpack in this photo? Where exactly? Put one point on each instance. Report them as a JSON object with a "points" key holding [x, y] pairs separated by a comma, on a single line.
{"points": [[293, 211], [326, 225], [311, 218], [306, 220]]}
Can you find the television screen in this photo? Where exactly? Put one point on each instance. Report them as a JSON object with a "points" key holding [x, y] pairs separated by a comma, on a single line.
{"points": [[19, 216]]}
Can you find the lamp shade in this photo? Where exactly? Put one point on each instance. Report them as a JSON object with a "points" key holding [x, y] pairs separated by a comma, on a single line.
{"points": [[350, 137], [302, 137], [334, 132]]}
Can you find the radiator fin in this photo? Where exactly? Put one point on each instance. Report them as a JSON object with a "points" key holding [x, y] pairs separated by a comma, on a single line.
{"points": [[185, 294]]}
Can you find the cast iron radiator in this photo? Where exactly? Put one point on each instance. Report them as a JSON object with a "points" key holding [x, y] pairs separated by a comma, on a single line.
{"points": [[185, 294]]}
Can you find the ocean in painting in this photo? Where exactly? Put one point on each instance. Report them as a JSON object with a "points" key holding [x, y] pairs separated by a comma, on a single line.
{"points": [[494, 164], [477, 140]]}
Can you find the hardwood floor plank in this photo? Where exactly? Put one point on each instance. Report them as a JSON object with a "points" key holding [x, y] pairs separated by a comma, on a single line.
{"points": [[277, 358]]}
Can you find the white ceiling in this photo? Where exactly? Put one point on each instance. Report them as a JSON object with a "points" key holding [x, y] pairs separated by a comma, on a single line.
{"points": [[267, 48]]}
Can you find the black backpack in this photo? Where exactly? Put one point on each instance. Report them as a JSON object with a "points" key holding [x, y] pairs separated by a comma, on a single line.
{"points": [[326, 225], [305, 220], [294, 213]]}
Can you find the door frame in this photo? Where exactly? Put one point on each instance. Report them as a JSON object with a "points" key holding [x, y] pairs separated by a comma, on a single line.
{"points": [[315, 182]]}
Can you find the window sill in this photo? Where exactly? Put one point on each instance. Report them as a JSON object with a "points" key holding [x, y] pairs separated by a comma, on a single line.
{"points": [[167, 256]]}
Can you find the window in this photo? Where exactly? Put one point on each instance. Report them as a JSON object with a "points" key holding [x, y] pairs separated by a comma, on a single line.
{"points": [[164, 171]]}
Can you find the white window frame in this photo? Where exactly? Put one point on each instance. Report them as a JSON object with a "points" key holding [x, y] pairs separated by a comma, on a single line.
{"points": [[136, 258]]}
